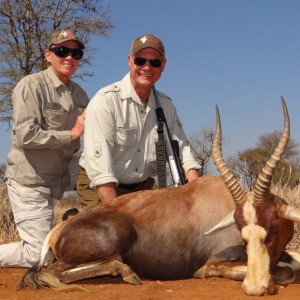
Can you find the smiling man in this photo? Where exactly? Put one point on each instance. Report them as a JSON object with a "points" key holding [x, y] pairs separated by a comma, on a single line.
{"points": [[121, 130], [48, 120]]}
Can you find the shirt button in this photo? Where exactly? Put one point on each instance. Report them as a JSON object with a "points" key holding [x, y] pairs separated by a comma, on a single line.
{"points": [[136, 170], [139, 150], [142, 111]]}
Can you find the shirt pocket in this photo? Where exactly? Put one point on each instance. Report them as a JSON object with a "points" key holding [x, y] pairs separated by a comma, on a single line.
{"points": [[125, 144], [126, 136], [56, 116]]}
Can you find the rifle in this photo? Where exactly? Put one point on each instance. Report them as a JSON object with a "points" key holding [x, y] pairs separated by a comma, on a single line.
{"points": [[171, 147]]}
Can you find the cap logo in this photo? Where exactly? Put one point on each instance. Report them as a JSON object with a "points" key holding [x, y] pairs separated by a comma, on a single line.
{"points": [[143, 39], [65, 34]]}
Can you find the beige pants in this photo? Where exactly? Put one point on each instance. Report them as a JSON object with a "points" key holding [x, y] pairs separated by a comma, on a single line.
{"points": [[88, 197], [33, 215]]}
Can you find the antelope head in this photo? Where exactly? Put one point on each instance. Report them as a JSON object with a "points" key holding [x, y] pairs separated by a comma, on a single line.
{"points": [[264, 220]]}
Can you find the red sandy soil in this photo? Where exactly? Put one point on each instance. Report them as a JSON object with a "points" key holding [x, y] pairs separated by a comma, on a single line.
{"points": [[114, 288]]}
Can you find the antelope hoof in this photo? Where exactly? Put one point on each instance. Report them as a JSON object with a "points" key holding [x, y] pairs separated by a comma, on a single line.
{"points": [[132, 279], [200, 273]]}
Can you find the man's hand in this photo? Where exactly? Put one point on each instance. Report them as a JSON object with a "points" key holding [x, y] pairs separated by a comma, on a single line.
{"points": [[78, 129], [192, 174], [107, 192]]}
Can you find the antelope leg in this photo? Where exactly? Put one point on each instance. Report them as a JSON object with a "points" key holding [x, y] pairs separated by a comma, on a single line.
{"points": [[237, 271], [110, 267], [230, 270]]}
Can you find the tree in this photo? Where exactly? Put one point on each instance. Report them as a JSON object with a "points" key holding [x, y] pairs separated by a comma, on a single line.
{"points": [[201, 145], [2, 173], [247, 164], [26, 26], [270, 141]]}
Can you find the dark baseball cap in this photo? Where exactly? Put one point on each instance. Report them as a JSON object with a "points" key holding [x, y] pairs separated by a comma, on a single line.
{"points": [[147, 41]]}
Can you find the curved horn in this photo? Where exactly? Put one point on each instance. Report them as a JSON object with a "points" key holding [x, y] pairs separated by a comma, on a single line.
{"points": [[234, 187], [263, 183]]}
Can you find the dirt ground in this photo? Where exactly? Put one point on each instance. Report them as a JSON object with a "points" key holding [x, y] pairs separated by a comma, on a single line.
{"points": [[113, 288]]}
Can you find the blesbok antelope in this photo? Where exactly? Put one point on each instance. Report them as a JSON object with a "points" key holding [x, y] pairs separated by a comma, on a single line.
{"points": [[166, 234]]}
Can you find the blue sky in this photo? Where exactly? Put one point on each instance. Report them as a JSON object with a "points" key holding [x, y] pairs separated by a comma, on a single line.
{"points": [[242, 55]]}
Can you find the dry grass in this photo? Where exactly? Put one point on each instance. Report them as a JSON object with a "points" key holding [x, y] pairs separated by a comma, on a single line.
{"points": [[8, 231]]}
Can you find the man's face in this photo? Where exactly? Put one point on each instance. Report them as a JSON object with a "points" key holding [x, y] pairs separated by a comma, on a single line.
{"points": [[146, 75], [64, 67]]}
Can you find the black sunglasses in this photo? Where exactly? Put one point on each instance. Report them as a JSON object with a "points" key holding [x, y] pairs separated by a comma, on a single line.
{"points": [[154, 62], [63, 51]]}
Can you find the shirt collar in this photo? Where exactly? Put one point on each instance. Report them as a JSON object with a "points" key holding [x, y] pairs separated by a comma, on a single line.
{"points": [[127, 91], [56, 82]]}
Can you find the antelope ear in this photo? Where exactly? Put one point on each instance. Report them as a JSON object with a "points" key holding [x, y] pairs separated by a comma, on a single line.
{"points": [[289, 212], [226, 222]]}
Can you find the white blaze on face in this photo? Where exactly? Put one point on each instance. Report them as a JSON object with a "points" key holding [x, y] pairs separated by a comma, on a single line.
{"points": [[258, 277], [249, 211]]}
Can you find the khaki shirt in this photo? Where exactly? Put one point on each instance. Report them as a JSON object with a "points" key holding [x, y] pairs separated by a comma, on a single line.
{"points": [[120, 135], [44, 111]]}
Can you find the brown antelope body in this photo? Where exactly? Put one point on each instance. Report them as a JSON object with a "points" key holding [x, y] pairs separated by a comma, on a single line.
{"points": [[171, 233]]}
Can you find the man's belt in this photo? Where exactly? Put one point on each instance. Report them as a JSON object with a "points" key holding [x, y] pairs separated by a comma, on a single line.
{"points": [[130, 186]]}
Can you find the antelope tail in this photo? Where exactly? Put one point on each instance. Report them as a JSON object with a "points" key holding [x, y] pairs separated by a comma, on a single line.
{"points": [[36, 277]]}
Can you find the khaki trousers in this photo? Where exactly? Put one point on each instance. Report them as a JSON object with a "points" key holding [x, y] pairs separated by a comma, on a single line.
{"points": [[88, 197], [33, 215]]}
